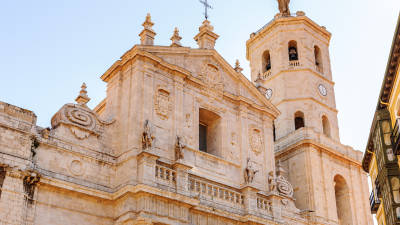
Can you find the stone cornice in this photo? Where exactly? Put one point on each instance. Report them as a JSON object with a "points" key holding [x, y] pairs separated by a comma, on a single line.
{"points": [[309, 138]]}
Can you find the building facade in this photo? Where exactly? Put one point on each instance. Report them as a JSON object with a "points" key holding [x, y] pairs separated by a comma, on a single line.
{"points": [[184, 138], [380, 159]]}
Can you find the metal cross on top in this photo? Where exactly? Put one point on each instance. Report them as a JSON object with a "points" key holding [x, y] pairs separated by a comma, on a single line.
{"points": [[206, 7]]}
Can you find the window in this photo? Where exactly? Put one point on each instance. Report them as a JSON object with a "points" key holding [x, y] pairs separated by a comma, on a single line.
{"points": [[343, 206], [293, 53], [266, 61], [325, 126], [203, 137], [298, 120], [318, 58], [2, 177], [209, 132]]}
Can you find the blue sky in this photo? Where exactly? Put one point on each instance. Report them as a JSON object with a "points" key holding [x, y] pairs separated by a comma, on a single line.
{"points": [[48, 48]]}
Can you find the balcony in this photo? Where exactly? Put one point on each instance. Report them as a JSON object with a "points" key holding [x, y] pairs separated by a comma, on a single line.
{"points": [[396, 137], [266, 74], [374, 202], [294, 64]]}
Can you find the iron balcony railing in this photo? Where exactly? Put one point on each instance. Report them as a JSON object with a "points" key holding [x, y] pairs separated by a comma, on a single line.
{"points": [[396, 137], [374, 202]]}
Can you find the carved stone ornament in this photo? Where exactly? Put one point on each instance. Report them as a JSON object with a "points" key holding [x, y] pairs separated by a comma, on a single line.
{"points": [[284, 187], [163, 103], [271, 181], [148, 135], [179, 146], [81, 120], [211, 76], [249, 172], [255, 141]]}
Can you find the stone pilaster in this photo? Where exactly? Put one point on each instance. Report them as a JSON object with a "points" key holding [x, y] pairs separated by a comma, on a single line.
{"points": [[17, 197], [250, 199], [146, 168], [182, 178]]}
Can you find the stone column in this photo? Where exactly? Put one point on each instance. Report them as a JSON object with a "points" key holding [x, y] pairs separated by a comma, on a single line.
{"points": [[146, 168], [182, 178], [12, 200], [250, 199]]}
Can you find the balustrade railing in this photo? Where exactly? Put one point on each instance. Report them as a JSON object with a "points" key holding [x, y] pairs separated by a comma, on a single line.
{"points": [[264, 204], [215, 192], [294, 63], [165, 175], [266, 74]]}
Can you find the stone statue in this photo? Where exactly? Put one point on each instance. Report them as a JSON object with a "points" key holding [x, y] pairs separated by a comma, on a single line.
{"points": [[147, 136], [179, 146], [249, 172], [284, 7], [271, 181]]}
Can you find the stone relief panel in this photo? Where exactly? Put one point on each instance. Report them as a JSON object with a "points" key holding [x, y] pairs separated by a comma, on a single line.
{"points": [[255, 140], [211, 75], [163, 102]]}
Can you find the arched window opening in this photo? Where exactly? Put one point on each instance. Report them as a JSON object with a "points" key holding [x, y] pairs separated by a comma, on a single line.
{"points": [[266, 61], [209, 132], [318, 58], [343, 206], [293, 53], [298, 120], [325, 126]]}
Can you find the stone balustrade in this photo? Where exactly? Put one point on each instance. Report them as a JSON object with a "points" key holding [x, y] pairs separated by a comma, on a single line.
{"points": [[266, 74], [294, 63], [215, 193], [165, 176], [264, 205]]}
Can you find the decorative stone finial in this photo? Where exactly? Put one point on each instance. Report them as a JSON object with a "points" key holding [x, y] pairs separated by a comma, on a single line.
{"points": [[237, 66], [148, 34], [82, 98], [206, 38], [176, 39]]}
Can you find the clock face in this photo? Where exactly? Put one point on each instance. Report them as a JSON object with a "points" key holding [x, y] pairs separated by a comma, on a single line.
{"points": [[322, 90], [268, 94]]}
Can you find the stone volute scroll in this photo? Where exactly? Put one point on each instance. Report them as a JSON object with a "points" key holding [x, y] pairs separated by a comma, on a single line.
{"points": [[179, 146], [249, 172], [147, 135], [283, 186], [79, 118]]}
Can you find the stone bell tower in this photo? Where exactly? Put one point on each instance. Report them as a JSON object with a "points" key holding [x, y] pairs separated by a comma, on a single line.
{"points": [[290, 58], [290, 64]]}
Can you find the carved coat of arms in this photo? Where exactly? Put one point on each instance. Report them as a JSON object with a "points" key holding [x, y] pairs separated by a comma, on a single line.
{"points": [[163, 103], [211, 75], [255, 141]]}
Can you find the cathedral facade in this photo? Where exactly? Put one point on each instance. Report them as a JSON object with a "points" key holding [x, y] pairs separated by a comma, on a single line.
{"points": [[185, 138]]}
